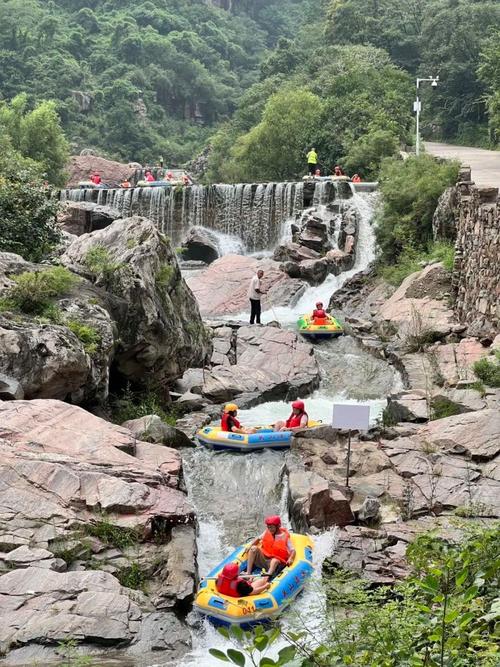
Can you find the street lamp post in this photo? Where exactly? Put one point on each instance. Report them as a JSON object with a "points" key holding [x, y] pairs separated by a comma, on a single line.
{"points": [[417, 108]]}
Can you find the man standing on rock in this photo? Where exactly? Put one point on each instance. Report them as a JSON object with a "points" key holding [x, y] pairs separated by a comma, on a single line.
{"points": [[255, 294]]}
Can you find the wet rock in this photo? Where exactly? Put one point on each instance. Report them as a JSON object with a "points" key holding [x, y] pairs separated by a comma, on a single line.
{"points": [[79, 218], [200, 245], [223, 288], [152, 429], [192, 423], [176, 583], [294, 252], [153, 333], [408, 407]]}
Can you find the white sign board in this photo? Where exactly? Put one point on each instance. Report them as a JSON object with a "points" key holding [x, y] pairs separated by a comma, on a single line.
{"points": [[353, 417]]}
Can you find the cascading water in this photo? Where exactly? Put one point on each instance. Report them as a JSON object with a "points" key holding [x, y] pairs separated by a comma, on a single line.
{"points": [[255, 213], [232, 493]]}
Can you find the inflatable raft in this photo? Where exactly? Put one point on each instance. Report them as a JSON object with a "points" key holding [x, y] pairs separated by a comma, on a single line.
{"points": [[153, 184], [265, 438], [326, 329], [254, 609]]}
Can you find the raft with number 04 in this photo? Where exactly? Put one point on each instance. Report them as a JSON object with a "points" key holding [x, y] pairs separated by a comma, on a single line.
{"points": [[265, 437], [254, 609], [324, 328]]}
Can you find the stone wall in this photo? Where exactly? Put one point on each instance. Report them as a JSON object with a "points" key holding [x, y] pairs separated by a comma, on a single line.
{"points": [[476, 275]]}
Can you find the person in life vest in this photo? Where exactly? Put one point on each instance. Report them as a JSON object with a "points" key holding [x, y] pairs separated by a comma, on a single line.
{"points": [[273, 550], [149, 177], [299, 418], [229, 582], [169, 176], [312, 161], [186, 180], [125, 184], [229, 423], [356, 178], [319, 314], [95, 178]]}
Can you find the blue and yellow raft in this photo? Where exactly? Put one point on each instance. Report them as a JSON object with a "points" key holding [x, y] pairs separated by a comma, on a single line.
{"points": [[255, 609], [330, 327], [265, 438]]}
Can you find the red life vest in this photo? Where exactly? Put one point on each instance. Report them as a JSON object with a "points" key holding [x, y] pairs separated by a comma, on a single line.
{"points": [[150, 178], [276, 546], [228, 421], [294, 420], [227, 586], [319, 313]]}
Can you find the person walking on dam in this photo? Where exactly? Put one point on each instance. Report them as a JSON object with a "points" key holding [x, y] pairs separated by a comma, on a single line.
{"points": [[312, 161], [255, 294]]}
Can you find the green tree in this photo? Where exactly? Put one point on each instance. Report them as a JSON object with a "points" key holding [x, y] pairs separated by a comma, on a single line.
{"points": [[489, 74], [37, 134], [275, 149]]}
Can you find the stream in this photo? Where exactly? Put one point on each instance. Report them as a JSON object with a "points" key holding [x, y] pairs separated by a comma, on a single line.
{"points": [[233, 492]]}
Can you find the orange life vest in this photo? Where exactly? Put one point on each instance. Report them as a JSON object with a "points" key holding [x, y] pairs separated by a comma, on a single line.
{"points": [[227, 586], [276, 546]]}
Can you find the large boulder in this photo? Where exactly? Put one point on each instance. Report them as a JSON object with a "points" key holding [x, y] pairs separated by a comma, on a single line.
{"points": [[160, 327], [313, 504], [83, 217], [419, 306], [200, 245], [270, 363], [222, 289], [455, 361]]}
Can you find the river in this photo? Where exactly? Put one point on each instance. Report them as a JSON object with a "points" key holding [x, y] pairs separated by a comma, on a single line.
{"points": [[233, 492]]}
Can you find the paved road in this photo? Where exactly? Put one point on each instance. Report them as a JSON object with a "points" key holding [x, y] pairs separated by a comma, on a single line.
{"points": [[485, 164]]}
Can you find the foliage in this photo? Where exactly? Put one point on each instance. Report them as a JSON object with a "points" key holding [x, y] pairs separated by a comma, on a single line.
{"points": [[489, 371], [410, 192], [34, 291], [139, 79], [164, 276], [68, 649], [27, 211], [36, 134], [132, 576], [447, 613], [110, 534], [87, 334], [136, 404], [489, 74], [410, 261], [98, 260], [254, 647], [442, 407]]}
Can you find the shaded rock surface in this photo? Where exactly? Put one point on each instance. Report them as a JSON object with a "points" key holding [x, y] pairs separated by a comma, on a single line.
{"points": [[161, 331], [200, 245]]}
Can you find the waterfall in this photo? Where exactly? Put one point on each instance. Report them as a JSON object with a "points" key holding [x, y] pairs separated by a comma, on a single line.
{"points": [[257, 213]]}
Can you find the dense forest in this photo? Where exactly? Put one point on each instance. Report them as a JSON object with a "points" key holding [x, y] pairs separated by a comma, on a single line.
{"points": [[260, 81]]}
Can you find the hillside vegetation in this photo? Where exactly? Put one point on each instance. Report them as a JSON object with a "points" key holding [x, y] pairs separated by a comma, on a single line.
{"points": [[138, 79]]}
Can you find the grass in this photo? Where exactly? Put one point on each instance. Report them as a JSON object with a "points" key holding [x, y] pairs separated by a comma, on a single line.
{"points": [[132, 576], [418, 336], [112, 535], [410, 260], [136, 404], [164, 276], [489, 371], [89, 336], [34, 292], [442, 407], [100, 262]]}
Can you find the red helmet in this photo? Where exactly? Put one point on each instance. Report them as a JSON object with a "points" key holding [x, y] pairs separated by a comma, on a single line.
{"points": [[230, 571], [273, 521], [298, 405], [319, 304]]}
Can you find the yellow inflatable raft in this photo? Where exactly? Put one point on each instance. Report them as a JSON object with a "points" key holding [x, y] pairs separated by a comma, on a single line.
{"points": [[330, 327], [254, 609], [265, 438]]}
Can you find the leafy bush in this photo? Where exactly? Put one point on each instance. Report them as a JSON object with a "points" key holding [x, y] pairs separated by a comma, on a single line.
{"points": [[489, 371], [34, 291], [410, 261], [410, 191], [89, 336], [132, 576], [99, 260], [136, 404], [112, 535]]}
